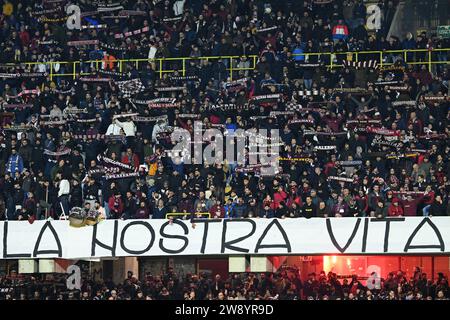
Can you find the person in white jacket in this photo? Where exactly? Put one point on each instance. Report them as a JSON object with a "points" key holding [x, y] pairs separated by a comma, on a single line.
{"points": [[128, 127]]}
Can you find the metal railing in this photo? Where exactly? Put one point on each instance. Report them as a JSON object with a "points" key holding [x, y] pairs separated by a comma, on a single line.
{"points": [[164, 66]]}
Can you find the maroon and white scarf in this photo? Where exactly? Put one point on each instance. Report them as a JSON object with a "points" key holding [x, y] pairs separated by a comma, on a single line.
{"points": [[340, 179], [131, 33], [19, 106], [25, 92], [382, 131], [122, 175], [57, 153], [82, 42]]}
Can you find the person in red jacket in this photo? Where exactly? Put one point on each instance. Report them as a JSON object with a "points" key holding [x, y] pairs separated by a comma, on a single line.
{"points": [[410, 205], [395, 210], [131, 158], [217, 211], [279, 196], [115, 205]]}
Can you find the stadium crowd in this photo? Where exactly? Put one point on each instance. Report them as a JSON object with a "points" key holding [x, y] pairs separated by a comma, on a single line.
{"points": [[358, 140], [283, 285]]}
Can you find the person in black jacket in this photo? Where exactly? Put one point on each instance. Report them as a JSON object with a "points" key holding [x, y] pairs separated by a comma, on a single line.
{"points": [[309, 210], [438, 207]]}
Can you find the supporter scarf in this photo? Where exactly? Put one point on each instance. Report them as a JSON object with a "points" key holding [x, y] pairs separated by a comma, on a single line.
{"points": [[401, 155], [362, 122], [19, 128], [82, 42], [184, 78], [23, 75], [225, 107], [125, 115], [102, 170], [251, 168], [104, 45], [349, 163], [300, 121], [378, 141], [354, 91], [324, 148], [266, 98], [112, 73], [295, 159], [114, 162], [87, 120], [419, 150], [173, 19], [267, 145], [188, 116], [130, 87], [71, 91], [45, 19], [412, 193], [340, 179], [267, 29], [167, 89], [392, 68], [404, 103], [164, 105], [320, 133], [110, 7], [299, 108], [96, 26], [432, 99], [236, 85], [132, 13], [274, 114], [131, 33], [254, 118], [121, 175], [371, 64], [57, 153], [19, 106], [74, 110], [158, 100], [398, 88], [48, 42], [434, 136], [382, 131], [42, 12], [107, 138], [92, 79], [114, 137], [52, 123], [385, 83], [308, 65], [150, 119]]}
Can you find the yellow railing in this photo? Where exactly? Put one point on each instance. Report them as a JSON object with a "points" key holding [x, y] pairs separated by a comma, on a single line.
{"points": [[184, 214], [170, 65]]}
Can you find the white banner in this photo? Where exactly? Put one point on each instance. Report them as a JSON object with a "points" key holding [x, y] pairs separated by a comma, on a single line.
{"points": [[116, 238]]}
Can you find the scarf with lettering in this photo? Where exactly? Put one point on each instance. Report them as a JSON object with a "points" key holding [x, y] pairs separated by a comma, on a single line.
{"points": [[131, 33], [104, 159], [349, 163], [296, 159], [25, 92], [18, 106], [373, 64], [266, 98], [112, 73], [82, 42], [362, 122], [396, 156], [324, 148], [57, 153], [340, 179], [19, 128], [382, 131], [23, 75], [162, 105], [168, 89], [94, 79], [52, 123], [321, 133], [300, 121], [184, 78], [122, 175], [236, 85], [104, 45], [150, 119], [267, 29], [382, 142]]}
